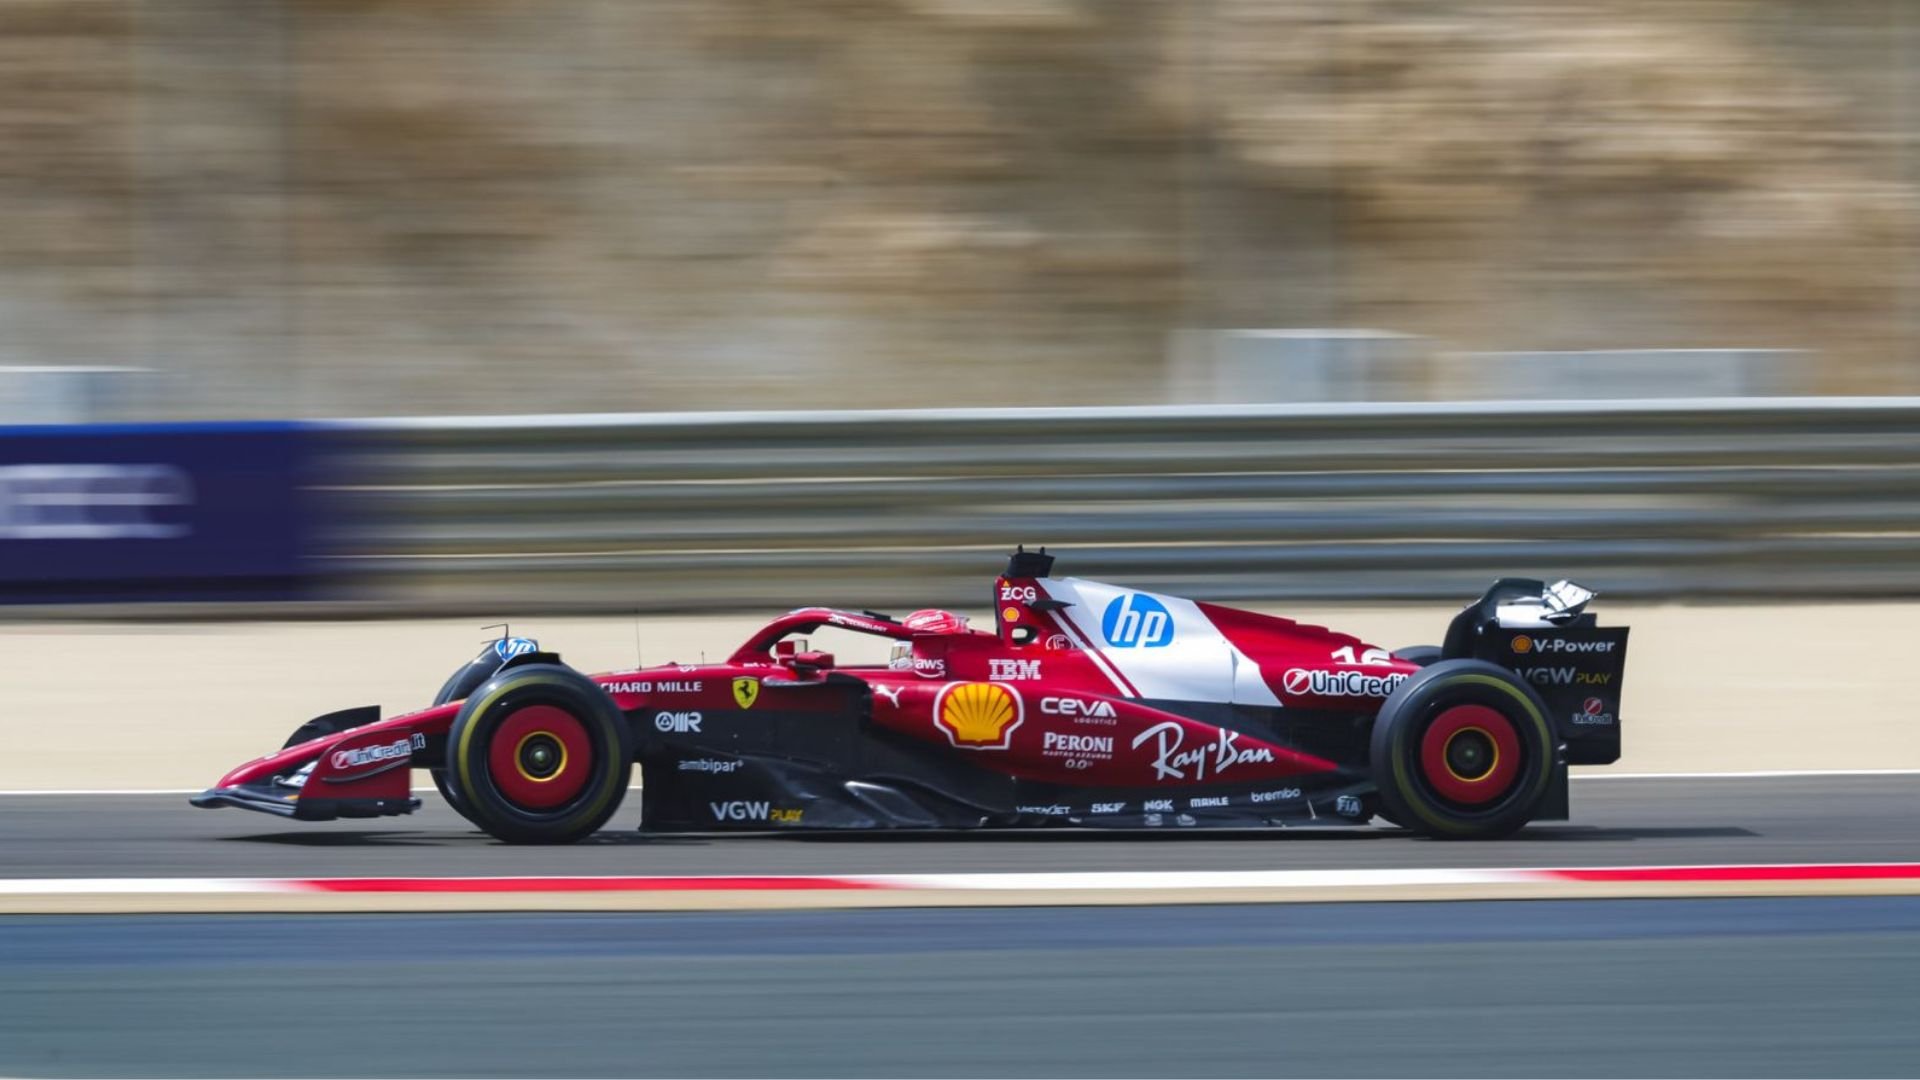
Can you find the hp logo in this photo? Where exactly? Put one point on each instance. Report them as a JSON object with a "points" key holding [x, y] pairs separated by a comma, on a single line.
{"points": [[1137, 620], [508, 648]]}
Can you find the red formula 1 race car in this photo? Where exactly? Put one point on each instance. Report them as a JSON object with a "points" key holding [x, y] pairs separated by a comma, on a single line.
{"points": [[1088, 705]]}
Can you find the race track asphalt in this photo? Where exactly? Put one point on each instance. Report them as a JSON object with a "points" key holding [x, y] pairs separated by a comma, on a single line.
{"points": [[1728, 987], [1699, 987], [1615, 822]]}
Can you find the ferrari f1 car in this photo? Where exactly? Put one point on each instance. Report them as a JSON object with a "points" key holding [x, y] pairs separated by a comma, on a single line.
{"points": [[1087, 705]]}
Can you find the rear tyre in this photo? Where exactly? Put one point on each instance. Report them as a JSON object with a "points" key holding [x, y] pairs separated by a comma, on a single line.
{"points": [[1462, 750], [538, 755], [1424, 656]]}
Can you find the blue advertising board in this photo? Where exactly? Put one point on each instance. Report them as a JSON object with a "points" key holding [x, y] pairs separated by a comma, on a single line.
{"points": [[172, 512]]}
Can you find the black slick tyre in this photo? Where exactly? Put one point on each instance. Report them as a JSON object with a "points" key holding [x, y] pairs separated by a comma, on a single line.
{"points": [[538, 755], [452, 797], [1462, 750], [453, 689]]}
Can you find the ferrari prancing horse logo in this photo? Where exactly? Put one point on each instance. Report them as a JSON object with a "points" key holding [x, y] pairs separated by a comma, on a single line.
{"points": [[746, 691]]}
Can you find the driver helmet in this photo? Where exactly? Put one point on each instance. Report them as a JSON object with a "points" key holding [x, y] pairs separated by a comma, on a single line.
{"points": [[935, 621]]}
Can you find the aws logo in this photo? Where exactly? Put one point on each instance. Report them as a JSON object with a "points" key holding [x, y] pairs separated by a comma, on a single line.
{"points": [[1137, 620], [978, 716]]}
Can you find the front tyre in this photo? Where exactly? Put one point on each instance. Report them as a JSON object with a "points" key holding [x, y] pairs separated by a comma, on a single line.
{"points": [[445, 787], [538, 755], [1462, 750], [466, 679]]}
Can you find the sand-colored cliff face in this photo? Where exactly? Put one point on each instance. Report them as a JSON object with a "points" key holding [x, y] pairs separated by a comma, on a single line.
{"points": [[350, 206], [1623, 173]]}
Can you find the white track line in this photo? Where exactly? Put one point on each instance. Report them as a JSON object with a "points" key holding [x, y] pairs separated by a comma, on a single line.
{"points": [[1095, 881], [141, 886], [1383, 880]]}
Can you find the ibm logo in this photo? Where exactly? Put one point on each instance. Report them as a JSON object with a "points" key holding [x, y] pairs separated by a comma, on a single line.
{"points": [[1135, 619]]}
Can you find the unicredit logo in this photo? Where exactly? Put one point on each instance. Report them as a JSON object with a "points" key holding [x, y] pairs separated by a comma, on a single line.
{"points": [[368, 755], [1299, 681]]}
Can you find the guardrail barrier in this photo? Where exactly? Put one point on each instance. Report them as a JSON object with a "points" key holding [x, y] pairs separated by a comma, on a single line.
{"points": [[1698, 499]]}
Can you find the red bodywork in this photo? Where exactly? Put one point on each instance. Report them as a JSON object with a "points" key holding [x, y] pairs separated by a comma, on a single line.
{"points": [[1042, 698]]}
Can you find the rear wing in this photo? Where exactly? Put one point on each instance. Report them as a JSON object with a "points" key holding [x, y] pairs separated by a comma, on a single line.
{"points": [[1576, 665]]}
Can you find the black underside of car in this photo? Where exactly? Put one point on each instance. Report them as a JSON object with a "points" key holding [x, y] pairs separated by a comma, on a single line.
{"points": [[764, 770]]}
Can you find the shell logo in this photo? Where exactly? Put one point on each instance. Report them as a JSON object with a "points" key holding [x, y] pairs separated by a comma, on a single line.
{"points": [[978, 716], [1522, 643]]}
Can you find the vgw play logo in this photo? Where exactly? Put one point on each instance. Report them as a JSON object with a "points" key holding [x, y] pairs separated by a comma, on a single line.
{"points": [[1137, 620]]}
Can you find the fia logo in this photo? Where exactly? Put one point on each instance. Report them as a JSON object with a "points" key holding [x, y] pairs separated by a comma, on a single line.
{"points": [[1136, 619]]}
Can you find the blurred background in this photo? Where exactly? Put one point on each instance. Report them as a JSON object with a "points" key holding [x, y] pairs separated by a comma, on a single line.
{"points": [[322, 208], [630, 322], [338, 211]]}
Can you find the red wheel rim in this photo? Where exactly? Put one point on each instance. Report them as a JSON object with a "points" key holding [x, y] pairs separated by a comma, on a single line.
{"points": [[540, 757], [1470, 754]]}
